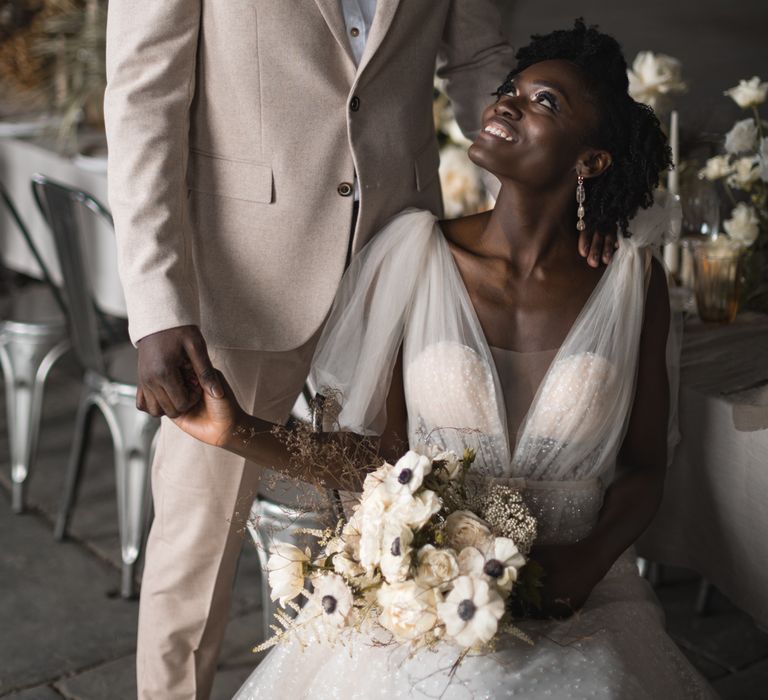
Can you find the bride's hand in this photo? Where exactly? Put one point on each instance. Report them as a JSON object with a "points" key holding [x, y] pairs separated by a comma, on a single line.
{"points": [[212, 420], [571, 571]]}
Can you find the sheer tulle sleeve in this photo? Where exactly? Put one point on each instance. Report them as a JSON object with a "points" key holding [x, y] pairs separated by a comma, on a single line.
{"points": [[358, 348]]}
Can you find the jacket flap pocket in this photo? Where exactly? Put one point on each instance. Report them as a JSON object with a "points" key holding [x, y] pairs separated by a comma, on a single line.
{"points": [[426, 164], [230, 178]]}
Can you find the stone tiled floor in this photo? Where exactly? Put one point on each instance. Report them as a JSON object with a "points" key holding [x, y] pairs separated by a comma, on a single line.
{"points": [[65, 634]]}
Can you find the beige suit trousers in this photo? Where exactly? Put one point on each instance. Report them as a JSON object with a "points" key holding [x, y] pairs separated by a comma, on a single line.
{"points": [[202, 497]]}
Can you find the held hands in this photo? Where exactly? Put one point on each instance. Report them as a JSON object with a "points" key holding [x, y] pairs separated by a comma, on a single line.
{"points": [[173, 366], [596, 247], [213, 420]]}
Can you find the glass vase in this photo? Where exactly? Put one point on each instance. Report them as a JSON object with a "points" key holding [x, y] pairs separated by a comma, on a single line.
{"points": [[717, 277]]}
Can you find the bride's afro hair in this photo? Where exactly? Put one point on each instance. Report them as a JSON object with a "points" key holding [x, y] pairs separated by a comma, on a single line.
{"points": [[628, 130]]}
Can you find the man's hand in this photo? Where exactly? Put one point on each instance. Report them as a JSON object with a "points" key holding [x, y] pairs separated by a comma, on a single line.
{"points": [[174, 368], [596, 247]]}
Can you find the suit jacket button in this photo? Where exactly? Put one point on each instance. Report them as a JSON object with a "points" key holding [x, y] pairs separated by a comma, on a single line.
{"points": [[344, 189], [354, 103]]}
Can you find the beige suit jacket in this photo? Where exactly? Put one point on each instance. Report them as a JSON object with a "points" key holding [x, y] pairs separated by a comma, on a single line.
{"points": [[235, 130]]}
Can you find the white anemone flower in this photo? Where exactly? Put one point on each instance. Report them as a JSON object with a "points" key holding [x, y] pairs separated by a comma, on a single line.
{"points": [[408, 474], [471, 612], [286, 568], [498, 562], [333, 600], [396, 554]]}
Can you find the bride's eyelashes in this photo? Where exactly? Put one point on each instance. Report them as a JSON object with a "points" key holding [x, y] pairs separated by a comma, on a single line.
{"points": [[543, 97]]}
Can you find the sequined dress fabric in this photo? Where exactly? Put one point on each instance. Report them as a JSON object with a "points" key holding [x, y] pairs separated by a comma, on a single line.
{"points": [[538, 422]]}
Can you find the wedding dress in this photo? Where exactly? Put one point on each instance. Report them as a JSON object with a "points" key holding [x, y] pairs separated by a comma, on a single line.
{"points": [[405, 289]]}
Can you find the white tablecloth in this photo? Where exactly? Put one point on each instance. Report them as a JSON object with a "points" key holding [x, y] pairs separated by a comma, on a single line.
{"points": [[19, 160], [714, 515]]}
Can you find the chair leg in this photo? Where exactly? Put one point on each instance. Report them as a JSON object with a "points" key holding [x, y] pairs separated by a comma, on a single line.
{"points": [[132, 434], [83, 424], [26, 361]]}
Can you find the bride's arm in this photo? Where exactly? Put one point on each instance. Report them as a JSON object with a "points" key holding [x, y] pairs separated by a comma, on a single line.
{"points": [[635, 495], [631, 501], [222, 422]]}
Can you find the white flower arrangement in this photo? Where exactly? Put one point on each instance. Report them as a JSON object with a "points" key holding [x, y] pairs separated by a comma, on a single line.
{"points": [[417, 557], [742, 171], [744, 167]]}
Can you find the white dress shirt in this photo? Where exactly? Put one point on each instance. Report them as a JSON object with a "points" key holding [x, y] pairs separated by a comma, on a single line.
{"points": [[358, 16]]}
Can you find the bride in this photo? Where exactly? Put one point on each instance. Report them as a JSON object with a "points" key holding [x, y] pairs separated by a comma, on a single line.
{"points": [[489, 332]]}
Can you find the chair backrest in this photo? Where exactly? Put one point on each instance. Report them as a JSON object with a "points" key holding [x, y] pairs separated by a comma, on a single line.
{"points": [[58, 204], [24, 231]]}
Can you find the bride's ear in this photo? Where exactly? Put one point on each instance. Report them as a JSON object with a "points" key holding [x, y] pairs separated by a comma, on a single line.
{"points": [[593, 162]]}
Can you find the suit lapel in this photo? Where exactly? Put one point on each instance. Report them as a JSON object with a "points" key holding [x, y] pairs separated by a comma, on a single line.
{"points": [[331, 11], [385, 13]]}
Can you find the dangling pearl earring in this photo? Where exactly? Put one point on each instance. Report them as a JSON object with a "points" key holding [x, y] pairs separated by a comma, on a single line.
{"points": [[580, 197]]}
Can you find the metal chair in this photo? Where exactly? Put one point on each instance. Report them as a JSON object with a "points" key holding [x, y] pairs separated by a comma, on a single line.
{"points": [[33, 336], [109, 384], [271, 522]]}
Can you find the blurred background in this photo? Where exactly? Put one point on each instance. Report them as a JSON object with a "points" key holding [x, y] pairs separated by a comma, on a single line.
{"points": [[67, 603]]}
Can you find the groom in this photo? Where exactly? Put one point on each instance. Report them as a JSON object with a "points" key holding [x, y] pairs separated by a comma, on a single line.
{"points": [[254, 145]]}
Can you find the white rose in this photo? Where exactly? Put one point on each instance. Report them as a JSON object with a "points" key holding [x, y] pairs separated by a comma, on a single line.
{"points": [[408, 474], [748, 93], [471, 612], [408, 609], [498, 562], [436, 567], [745, 171], [417, 510], [396, 554], [374, 486], [345, 551], [371, 534], [286, 571], [465, 529], [762, 155], [653, 76], [743, 226], [742, 137], [716, 167]]}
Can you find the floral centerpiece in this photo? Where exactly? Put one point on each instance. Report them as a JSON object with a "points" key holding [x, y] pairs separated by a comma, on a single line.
{"points": [[429, 554], [742, 171]]}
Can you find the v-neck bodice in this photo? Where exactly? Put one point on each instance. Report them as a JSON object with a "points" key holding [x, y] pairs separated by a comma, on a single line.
{"points": [[520, 374]]}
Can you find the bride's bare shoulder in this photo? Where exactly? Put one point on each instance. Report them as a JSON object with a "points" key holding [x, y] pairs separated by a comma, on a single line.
{"points": [[464, 232]]}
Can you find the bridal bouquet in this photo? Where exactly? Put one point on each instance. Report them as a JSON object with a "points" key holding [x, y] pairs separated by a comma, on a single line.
{"points": [[428, 553]]}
